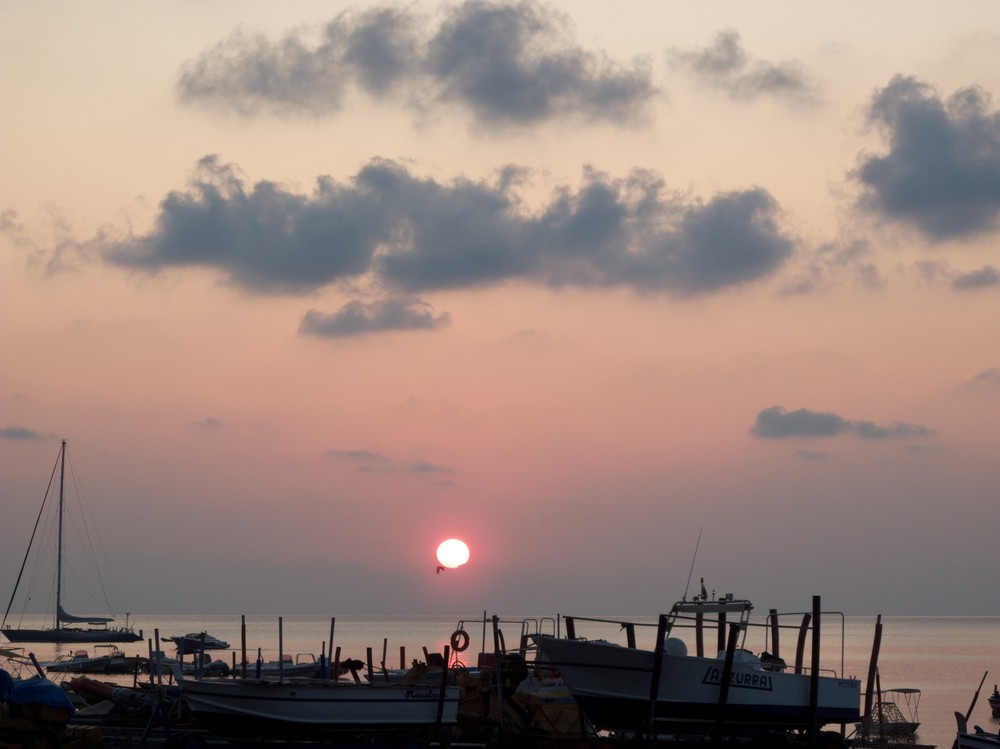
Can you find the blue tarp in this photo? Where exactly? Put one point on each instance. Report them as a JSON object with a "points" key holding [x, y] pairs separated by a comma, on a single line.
{"points": [[33, 691]]}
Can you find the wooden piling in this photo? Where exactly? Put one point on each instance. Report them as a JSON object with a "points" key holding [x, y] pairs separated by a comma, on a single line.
{"points": [[801, 646], [444, 689], [243, 643], [775, 629], [873, 666], [654, 681], [812, 726], [727, 676]]}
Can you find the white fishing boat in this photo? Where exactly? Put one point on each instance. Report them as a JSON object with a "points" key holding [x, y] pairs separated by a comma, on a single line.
{"points": [[66, 627], [323, 703], [81, 662], [614, 684]]}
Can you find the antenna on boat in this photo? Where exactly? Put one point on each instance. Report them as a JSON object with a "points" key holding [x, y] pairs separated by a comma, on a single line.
{"points": [[693, 558]]}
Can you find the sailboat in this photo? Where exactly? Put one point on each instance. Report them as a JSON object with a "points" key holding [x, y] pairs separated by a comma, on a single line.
{"points": [[68, 627]]}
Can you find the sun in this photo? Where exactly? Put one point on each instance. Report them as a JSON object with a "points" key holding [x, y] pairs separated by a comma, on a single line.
{"points": [[453, 553]]}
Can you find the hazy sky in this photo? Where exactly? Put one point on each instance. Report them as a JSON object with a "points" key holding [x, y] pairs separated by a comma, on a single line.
{"points": [[311, 286]]}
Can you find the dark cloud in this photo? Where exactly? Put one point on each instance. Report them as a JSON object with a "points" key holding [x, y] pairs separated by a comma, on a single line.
{"points": [[424, 467], [263, 236], [941, 174], [978, 279], [506, 62], [777, 423], [19, 433], [813, 456], [246, 73], [357, 318], [829, 261], [366, 461], [209, 423], [412, 234], [357, 455], [509, 64], [725, 65], [987, 378]]}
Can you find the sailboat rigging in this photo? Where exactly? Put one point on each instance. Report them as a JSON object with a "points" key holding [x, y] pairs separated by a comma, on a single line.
{"points": [[96, 629]]}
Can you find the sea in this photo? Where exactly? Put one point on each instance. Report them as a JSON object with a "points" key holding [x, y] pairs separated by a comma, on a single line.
{"points": [[946, 658]]}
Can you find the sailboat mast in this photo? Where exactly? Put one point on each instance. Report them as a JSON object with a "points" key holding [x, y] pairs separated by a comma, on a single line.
{"points": [[59, 545]]}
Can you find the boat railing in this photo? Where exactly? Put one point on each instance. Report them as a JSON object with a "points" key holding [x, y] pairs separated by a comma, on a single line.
{"points": [[689, 619], [528, 628]]}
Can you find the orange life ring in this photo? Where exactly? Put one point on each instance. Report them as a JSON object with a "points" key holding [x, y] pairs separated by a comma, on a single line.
{"points": [[459, 640]]}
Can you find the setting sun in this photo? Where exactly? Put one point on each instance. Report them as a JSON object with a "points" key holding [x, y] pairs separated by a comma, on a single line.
{"points": [[453, 553]]}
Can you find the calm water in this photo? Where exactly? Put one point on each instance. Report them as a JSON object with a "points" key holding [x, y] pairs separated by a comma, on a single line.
{"points": [[945, 657]]}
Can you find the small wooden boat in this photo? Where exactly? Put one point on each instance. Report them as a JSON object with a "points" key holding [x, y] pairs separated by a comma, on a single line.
{"points": [[977, 738], [894, 717], [331, 704]]}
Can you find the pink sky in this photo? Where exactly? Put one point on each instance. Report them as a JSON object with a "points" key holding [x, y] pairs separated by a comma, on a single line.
{"points": [[309, 289]]}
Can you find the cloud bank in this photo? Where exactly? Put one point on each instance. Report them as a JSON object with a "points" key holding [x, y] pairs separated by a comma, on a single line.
{"points": [[407, 234], [777, 423], [503, 63], [941, 174]]}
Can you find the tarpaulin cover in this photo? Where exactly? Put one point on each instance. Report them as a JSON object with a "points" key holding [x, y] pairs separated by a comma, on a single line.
{"points": [[33, 691]]}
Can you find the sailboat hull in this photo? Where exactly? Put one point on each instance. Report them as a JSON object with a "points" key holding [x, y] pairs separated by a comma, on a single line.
{"points": [[71, 635]]}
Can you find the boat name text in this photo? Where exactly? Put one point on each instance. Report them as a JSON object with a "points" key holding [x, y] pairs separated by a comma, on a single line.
{"points": [[742, 679], [420, 694]]}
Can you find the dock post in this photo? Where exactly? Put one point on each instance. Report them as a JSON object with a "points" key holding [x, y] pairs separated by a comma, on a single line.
{"points": [[812, 727], [156, 640], [800, 648], [727, 676], [243, 643], [444, 688], [368, 657], [775, 651], [722, 632], [699, 634], [629, 628], [570, 628], [873, 667], [281, 651], [402, 657], [498, 671], [657, 675]]}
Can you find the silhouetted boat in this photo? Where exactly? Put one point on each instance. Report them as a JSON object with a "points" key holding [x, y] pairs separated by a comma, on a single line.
{"points": [[81, 662], [977, 738], [323, 703], [97, 629], [194, 642], [614, 685]]}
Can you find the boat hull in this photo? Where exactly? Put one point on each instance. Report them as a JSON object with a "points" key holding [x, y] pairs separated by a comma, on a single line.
{"points": [[70, 635], [324, 703], [612, 685], [977, 741]]}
